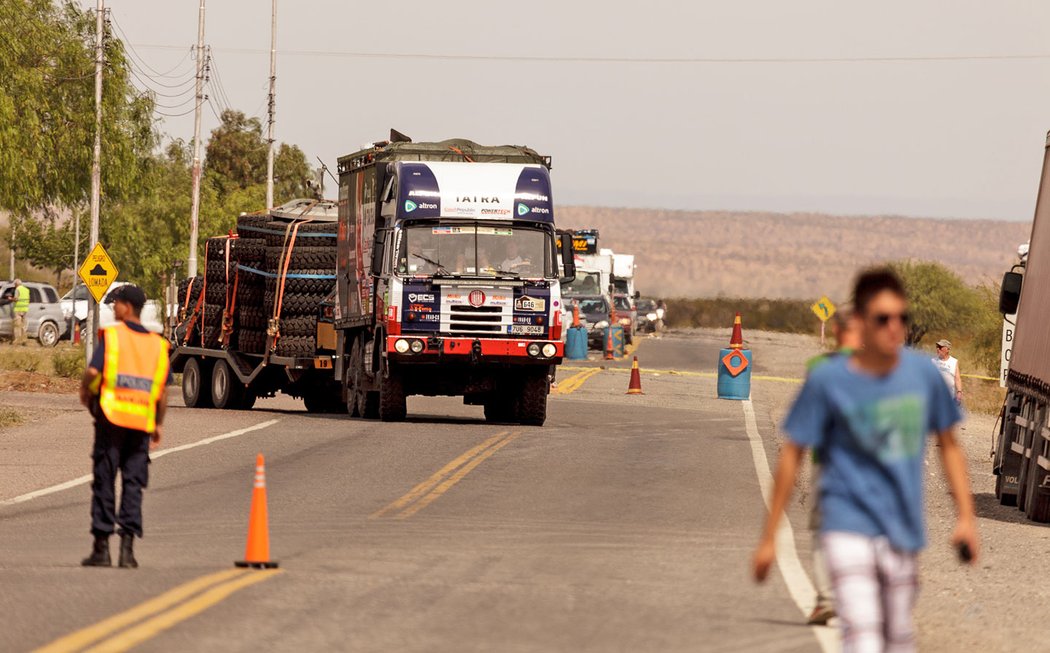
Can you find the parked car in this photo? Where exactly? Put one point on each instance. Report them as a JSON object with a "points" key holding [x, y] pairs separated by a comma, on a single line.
{"points": [[594, 316], [45, 321], [152, 317]]}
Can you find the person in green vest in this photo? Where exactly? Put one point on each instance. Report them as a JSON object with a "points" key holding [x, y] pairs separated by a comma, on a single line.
{"points": [[21, 310]]}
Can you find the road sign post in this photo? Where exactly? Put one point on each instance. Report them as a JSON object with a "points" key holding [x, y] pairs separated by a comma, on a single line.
{"points": [[98, 272], [823, 309]]}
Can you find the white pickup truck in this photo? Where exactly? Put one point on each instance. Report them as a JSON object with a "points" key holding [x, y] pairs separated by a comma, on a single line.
{"points": [[152, 313]]}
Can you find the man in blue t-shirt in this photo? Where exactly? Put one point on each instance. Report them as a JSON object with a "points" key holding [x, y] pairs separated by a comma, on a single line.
{"points": [[868, 415]]}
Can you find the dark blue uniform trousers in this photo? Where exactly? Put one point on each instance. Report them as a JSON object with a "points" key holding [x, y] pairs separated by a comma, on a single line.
{"points": [[118, 448]]}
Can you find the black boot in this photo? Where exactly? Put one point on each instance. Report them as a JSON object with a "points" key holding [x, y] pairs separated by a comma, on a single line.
{"points": [[99, 553], [127, 554]]}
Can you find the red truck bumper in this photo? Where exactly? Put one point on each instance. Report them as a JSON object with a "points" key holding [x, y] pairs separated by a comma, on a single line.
{"points": [[496, 349]]}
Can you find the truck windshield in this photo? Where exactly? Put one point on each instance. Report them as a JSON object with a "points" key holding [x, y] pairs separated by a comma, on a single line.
{"points": [[586, 283], [475, 250]]}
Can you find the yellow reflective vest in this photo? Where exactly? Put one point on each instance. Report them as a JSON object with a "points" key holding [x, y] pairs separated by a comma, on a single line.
{"points": [[21, 299], [134, 373]]}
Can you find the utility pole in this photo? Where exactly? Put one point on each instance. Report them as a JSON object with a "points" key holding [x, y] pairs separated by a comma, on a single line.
{"points": [[272, 106], [76, 274], [191, 268], [96, 171]]}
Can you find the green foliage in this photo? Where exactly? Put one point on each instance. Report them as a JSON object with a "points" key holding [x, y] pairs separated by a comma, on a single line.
{"points": [[793, 316], [10, 417], [47, 124], [939, 300], [69, 363]]}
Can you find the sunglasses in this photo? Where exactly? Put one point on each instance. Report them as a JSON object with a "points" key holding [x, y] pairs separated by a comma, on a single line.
{"points": [[883, 319]]}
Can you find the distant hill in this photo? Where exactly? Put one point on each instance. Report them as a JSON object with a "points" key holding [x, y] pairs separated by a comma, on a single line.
{"points": [[788, 255]]}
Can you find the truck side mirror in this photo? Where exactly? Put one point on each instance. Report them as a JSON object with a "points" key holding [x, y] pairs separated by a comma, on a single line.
{"points": [[378, 243], [568, 260], [637, 294], [1010, 292]]}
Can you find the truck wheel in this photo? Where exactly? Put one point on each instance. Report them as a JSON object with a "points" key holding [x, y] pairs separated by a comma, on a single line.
{"points": [[501, 409], [315, 403], [532, 404], [227, 391], [248, 400], [196, 383], [1037, 504], [392, 403], [352, 380]]}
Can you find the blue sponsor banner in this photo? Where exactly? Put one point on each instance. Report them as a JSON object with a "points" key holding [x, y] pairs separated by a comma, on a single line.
{"points": [[420, 308], [532, 196], [418, 194]]}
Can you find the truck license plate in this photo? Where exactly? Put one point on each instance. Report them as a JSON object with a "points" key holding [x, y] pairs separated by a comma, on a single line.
{"points": [[525, 330]]}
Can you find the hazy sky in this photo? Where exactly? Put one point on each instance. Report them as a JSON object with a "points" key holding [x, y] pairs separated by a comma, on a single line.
{"points": [[943, 138]]}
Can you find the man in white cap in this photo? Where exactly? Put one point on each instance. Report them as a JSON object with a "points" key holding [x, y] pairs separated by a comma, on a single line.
{"points": [[948, 366]]}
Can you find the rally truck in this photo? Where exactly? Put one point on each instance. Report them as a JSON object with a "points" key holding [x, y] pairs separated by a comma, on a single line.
{"points": [[1021, 458], [449, 278]]}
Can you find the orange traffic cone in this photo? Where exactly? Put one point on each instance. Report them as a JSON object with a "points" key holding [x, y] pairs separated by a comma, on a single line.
{"points": [[635, 387], [257, 553], [576, 315], [609, 345], [737, 339]]}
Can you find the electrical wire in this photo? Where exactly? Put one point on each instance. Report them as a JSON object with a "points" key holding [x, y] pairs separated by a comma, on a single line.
{"points": [[635, 60], [220, 88], [155, 73]]}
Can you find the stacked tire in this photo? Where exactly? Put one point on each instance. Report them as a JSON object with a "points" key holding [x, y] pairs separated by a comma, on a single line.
{"points": [[219, 276], [307, 265], [251, 285]]}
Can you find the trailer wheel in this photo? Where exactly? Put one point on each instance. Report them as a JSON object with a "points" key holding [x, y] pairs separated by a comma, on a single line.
{"points": [[248, 401], [392, 401], [196, 383], [227, 391], [532, 404]]}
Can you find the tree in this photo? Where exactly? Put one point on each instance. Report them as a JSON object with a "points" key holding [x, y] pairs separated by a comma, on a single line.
{"points": [[939, 300], [47, 120], [236, 161]]}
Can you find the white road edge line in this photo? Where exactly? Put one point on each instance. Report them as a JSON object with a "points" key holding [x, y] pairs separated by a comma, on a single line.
{"points": [[153, 456], [795, 577]]}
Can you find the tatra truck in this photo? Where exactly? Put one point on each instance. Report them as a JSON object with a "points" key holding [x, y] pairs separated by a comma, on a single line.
{"points": [[449, 276], [1021, 458]]}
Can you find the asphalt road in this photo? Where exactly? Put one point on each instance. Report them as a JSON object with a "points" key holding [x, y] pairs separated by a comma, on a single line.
{"points": [[625, 523]]}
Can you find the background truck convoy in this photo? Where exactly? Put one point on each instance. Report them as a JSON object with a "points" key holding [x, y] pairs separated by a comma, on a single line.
{"points": [[439, 273], [1021, 459]]}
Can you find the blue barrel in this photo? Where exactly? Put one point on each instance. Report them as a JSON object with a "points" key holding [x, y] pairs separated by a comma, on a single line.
{"points": [[576, 344], [734, 376], [613, 340]]}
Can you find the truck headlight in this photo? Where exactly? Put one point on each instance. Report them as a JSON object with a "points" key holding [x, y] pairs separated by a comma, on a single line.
{"points": [[401, 346], [533, 349], [549, 350], [417, 346]]}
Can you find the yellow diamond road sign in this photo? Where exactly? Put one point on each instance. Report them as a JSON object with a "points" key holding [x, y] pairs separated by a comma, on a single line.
{"points": [[98, 272], [823, 309]]}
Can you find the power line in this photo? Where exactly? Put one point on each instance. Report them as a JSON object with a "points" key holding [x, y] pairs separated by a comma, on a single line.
{"points": [[134, 53], [634, 60]]}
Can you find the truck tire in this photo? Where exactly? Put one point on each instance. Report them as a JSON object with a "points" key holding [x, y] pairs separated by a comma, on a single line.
{"points": [[298, 347], [194, 293], [216, 294], [210, 336], [501, 409], [252, 341], [293, 286], [213, 315], [216, 271], [302, 256], [532, 403], [196, 383], [351, 385], [293, 304], [227, 391], [250, 292], [257, 221], [251, 317], [392, 401], [249, 251], [302, 326]]}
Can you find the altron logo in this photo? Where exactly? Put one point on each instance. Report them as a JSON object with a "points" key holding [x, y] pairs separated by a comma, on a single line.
{"points": [[410, 206], [523, 210]]}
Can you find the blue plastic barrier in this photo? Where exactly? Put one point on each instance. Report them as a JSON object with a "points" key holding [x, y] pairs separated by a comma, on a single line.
{"points": [[734, 385], [576, 344], [615, 333]]}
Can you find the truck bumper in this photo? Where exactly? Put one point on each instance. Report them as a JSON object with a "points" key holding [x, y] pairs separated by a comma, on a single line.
{"points": [[495, 350]]}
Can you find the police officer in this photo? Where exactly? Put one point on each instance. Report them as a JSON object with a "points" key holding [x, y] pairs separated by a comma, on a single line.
{"points": [[124, 388]]}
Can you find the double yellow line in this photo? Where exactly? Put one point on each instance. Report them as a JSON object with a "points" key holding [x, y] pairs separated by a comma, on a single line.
{"points": [[574, 382], [160, 613], [442, 481]]}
